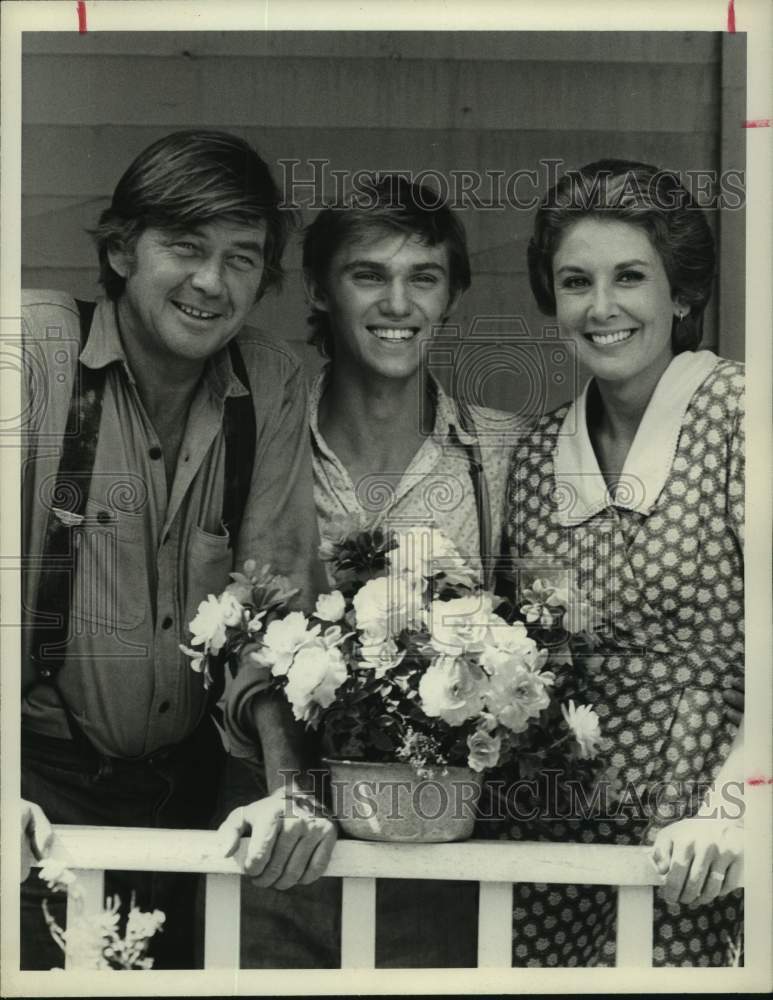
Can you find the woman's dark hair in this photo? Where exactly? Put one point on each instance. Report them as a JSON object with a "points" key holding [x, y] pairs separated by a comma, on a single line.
{"points": [[645, 196], [386, 203], [187, 179]]}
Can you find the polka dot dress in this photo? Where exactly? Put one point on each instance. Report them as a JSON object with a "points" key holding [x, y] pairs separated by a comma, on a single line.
{"points": [[669, 585]]}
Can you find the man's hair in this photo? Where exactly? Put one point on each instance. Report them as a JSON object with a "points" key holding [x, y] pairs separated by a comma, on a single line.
{"points": [[188, 179], [642, 195], [384, 204]]}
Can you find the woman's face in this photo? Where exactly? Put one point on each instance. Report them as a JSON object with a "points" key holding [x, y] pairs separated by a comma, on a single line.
{"points": [[614, 299]]}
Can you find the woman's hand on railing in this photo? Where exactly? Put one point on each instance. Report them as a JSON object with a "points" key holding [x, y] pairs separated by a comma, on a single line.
{"points": [[291, 838], [701, 858], [735, 701], [36, 836]]}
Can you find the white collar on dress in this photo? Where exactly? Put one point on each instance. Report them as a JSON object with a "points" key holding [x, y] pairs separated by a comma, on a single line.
{"points": [[652, 452]]}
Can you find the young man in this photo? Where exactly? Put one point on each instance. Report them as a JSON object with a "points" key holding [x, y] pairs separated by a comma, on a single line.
{"points": [[382, 273], [387, 442], [168, 445]]}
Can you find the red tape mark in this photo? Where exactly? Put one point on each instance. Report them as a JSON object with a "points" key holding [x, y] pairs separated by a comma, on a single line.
{"points": [[759, 781], [757, 123], [82, 17], [731, 17]]}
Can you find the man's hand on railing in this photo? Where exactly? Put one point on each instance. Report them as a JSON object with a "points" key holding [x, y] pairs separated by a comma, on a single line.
{"points": [[701, 857], [291, 838], [36, 836]]}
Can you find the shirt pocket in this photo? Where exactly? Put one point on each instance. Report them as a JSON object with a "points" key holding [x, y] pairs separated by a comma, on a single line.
{"points": [[111, 589], [209, 560]]}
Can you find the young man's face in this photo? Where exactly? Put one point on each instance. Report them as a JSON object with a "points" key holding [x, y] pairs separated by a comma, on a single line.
{"points": [[188, 291], [383, 295]]}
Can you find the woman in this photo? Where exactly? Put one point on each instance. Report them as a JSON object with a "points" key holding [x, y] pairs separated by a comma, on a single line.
{"points": [[634, 494]]}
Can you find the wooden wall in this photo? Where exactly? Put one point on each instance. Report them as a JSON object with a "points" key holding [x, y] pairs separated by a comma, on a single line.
{"points": [[414, 101]]}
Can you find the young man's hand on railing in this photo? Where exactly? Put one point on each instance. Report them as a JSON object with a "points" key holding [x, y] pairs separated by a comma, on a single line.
{"points": [[36, 836], [292, 837]]}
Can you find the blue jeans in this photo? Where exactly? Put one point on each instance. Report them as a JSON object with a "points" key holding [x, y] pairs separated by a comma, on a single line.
{"points": [[419, 924], [74, 784]]}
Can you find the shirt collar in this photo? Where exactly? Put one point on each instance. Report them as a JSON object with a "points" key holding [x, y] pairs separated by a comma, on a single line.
{"points": [[446, 412], [104, 347], [652, 452]]}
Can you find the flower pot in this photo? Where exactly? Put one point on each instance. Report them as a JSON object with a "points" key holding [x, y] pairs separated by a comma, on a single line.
{"points": [[390, 801]]}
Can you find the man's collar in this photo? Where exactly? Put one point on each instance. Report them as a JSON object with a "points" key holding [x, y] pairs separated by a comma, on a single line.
{"points": [[648, 463], [446, 424], [104, 347]]}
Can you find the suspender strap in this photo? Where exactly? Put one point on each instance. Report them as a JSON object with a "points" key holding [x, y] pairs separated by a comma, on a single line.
{"points": [[71, 490], [482, 499], [239, 430]]}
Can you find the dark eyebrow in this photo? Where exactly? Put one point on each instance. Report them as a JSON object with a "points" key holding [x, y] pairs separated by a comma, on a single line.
{"points": [[574, 269], [374, 265], [175, 232], [252, 245], [632, 263]]}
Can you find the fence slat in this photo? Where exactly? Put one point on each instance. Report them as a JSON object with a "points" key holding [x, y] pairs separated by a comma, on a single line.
{"points": [[634, 925], [358, 923], [222, 922], [495, 925], [90, 900]]}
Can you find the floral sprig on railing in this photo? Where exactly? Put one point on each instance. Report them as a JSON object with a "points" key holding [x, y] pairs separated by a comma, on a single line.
{"points": [[410, 659], [95, 941]]}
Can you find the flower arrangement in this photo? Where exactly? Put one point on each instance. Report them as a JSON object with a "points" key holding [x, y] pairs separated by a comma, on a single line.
{"points": [[95, 941], [409, 659]]}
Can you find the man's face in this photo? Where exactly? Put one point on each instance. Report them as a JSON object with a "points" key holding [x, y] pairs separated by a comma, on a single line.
{"points": [[188, 291], [383, 294]]}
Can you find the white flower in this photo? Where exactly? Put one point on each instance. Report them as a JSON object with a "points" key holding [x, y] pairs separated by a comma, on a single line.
{"points": [[584, 724], [461, 625], [330, 607], [484, 749], [517, 694], [141, 925], [232, 610], [427, 552], [56, 874], [208, 627], [387, 605], [508, 644], [312, 680], [451, 690], [381, 656], [282, 639], [548, 603]]}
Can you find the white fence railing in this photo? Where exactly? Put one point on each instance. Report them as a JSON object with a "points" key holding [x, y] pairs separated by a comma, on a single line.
{"points": [[90, 851]]}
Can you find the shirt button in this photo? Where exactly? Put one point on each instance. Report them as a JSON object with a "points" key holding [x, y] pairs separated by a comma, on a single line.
{"points": [[167, 622], [163, 707], [155, 452]]}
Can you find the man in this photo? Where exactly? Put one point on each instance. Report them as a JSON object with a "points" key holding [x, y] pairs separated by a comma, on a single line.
{"points": [[156, 409], [383, 272]]}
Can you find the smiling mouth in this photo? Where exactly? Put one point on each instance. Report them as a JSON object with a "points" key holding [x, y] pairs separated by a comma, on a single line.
{"points": [[394, 334], [194, 313], [607, 337]]}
